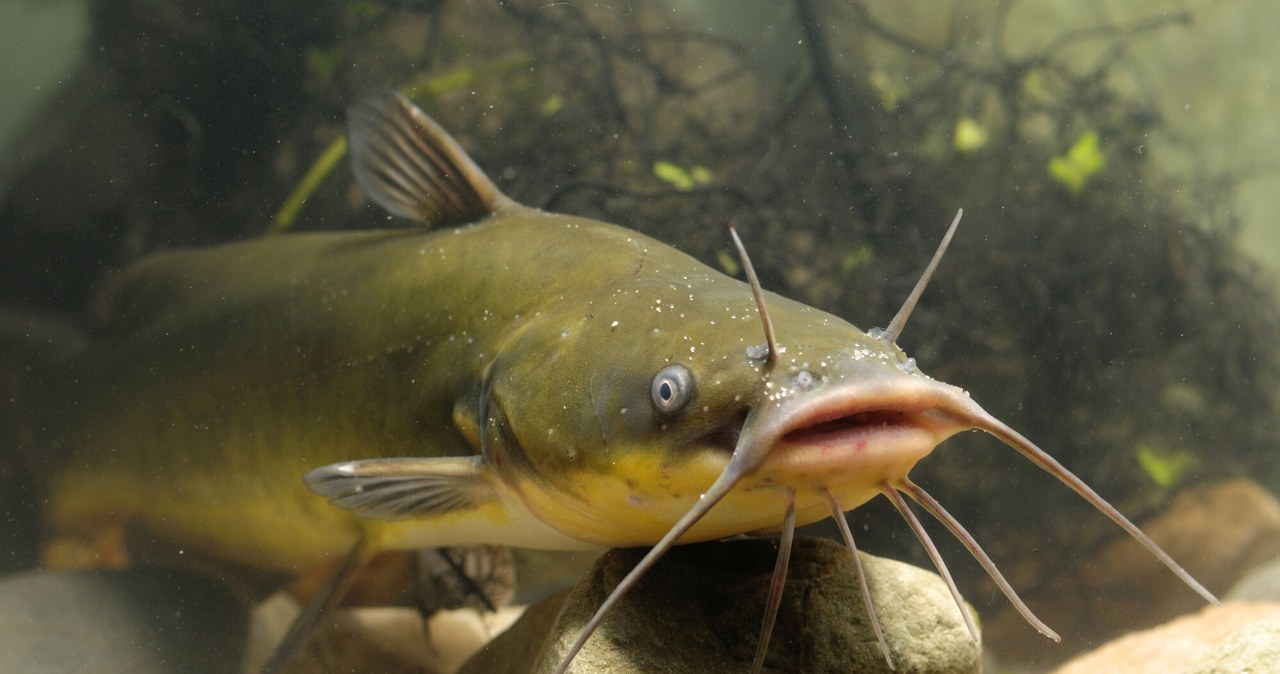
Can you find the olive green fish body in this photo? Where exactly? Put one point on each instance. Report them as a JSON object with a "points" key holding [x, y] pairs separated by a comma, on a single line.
{"points": [[226, 373]]}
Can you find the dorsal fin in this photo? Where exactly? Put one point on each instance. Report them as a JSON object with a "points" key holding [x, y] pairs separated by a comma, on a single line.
{"points": [[413, 168]]}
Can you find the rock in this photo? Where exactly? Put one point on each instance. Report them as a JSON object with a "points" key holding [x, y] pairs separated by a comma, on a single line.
{"points": [[1217, 532], [455, 636], [513, 650], [384, 639], [1188, 640], [138, 621], [1253, 648], [699, 610], [1261, 584], [542, 573]]}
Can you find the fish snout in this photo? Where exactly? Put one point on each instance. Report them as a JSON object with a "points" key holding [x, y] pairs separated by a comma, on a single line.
{"points": [[850, 438]]}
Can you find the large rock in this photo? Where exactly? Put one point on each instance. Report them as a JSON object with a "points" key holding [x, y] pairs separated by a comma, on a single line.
{"points": [[699, 610], [1252, 648], [1198, 643]]}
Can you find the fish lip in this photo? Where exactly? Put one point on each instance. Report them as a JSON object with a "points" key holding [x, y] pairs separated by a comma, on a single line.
{"points": [[900, 419]]}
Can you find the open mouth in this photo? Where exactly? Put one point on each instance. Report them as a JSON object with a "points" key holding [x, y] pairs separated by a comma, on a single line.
{"points": [[836, 431], [845, 429], [845, 446]]}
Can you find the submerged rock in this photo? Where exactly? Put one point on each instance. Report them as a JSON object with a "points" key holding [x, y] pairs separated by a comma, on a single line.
{"points": [[1213, 640], [700, 609], [1217, 532], [1262, 583], [383, 639], [138, 621], [1252, 648]]}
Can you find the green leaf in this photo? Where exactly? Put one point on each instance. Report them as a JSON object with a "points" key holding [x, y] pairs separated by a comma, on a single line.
{"points": [[729, 263], [553, 104], [860, 256], [680, 178], [1081, 161], [673, 174], [1164, 468], [968, 136]]}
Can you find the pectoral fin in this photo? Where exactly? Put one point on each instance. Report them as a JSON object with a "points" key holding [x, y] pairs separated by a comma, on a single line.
{"points": [[394, 489]]}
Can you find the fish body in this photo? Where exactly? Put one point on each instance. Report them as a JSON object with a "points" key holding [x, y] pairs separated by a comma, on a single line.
{"points": [[228, 372], [522, 378]]}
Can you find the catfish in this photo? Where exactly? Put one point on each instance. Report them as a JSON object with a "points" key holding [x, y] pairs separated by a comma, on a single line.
{"points": [[300, 404]]}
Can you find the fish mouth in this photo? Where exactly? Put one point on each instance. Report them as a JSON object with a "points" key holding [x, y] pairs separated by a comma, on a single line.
{"points": [[850, 428], [863, 435]]}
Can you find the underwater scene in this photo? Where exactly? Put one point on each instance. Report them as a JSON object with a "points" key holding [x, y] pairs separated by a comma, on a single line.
{"points": [[507, 336]]}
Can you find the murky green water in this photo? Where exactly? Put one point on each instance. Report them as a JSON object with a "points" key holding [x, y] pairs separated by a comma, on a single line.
{"points": [[1111, 292]]}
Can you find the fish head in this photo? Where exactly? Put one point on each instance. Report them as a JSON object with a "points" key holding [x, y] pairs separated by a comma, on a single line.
{"points": [[623, 410]]}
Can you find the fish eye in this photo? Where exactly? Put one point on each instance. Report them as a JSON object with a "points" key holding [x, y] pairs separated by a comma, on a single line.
{"points": [[672, 388]]}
